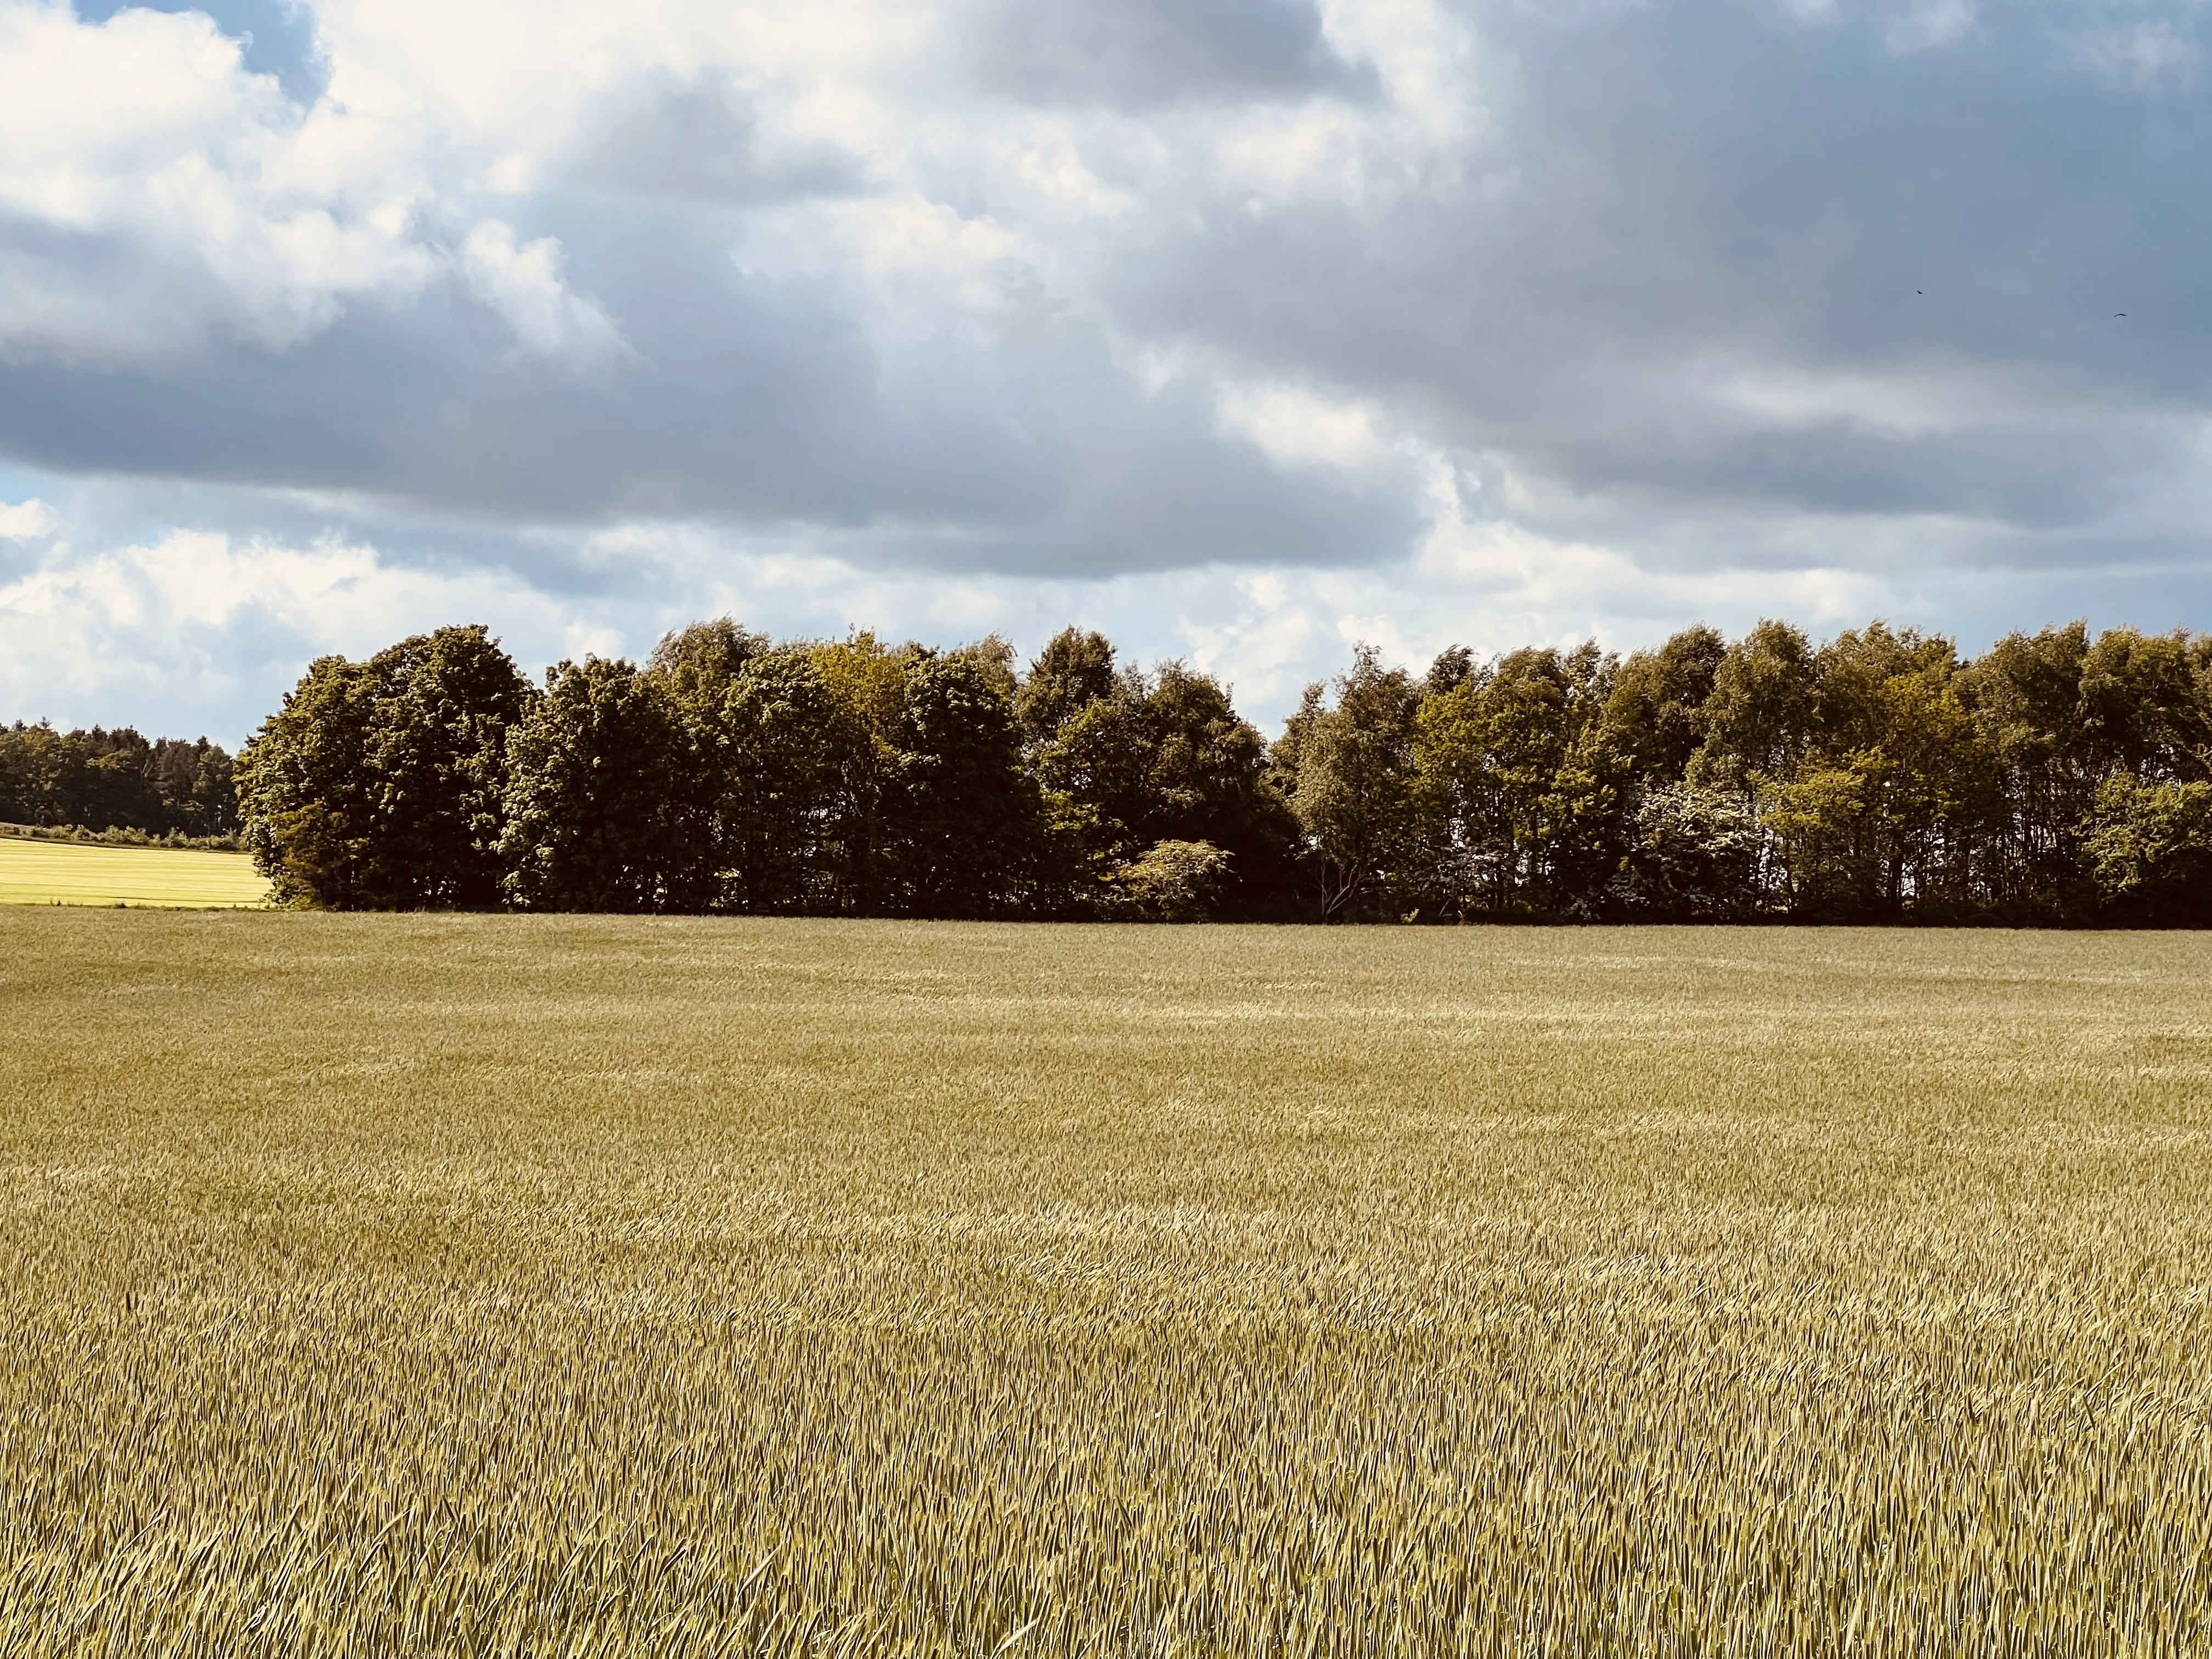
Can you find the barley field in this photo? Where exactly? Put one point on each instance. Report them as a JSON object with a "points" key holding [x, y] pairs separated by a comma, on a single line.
{"points": [[160, 878], [485, 1284]]}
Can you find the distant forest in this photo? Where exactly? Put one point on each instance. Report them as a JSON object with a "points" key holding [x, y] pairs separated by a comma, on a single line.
{"points": [[102, 780], [1878, 778]]}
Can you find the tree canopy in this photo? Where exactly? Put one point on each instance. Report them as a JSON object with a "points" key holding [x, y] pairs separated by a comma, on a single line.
{"points": [[115, 780], [1878, 776]]}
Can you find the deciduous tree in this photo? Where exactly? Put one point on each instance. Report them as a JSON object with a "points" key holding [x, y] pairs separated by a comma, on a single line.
{"points": [[592, 771]]}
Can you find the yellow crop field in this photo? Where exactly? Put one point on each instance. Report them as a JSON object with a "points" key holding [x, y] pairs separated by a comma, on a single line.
{"points": [[159, 877], [520, 1284]]}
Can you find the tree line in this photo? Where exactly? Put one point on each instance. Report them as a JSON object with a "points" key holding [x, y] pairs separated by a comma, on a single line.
{"points": [[100, 780], [2058, 779]]}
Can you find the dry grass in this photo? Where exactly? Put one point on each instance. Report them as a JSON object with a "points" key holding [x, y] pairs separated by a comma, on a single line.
{"points": [[512, 1284], [135, 877]]}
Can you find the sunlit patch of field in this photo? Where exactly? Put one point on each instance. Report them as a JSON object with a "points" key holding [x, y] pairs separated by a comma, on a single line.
{"points": [[520, 1284], [66, 873]]}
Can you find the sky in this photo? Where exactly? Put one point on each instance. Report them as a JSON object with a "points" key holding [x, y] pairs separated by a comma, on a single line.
{"points": [[1242, 330]]}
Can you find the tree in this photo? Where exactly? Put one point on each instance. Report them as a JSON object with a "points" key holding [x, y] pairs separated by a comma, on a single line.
{"points": [[1174, 881], [2149, 846], [698, 665], [780, 783], [2144, 705], [441, 705], [1210, 784], [592, 771], [1878, 776], [1882, 808], [1350, 769], [1582, 826], [1655, 715], [306, 793], [2025, 696], [1518, 787], [115, 780], [866, 684], [1075, 670], [378, 784], [966, 820], [1758, 719], [197, 786], [1816, 823], [1101, 756], [1134, 760], [1938, 806], [1692, 855], [695, 669]]}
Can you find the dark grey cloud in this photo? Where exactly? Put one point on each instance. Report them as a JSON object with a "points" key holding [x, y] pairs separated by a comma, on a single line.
{"points": [[752, 401], [1674, 196]]}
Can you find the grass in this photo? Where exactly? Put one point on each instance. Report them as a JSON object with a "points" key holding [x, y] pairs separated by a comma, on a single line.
{"points": [[564, 1286], [61, 872]]}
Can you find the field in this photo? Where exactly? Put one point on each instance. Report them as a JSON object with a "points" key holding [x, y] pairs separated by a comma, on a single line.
{"points": [[161, 877], [538, 1285]]}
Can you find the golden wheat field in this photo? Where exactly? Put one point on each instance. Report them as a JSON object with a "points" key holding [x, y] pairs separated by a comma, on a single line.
{"points": [[560, 1286]]}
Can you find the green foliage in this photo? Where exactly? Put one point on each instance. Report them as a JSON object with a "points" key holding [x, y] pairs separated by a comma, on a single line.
{"points": [[99, 781], [1876, 777], [1210, 780], [2026, 696], [305, 792], [444, 703], [1102, 756], [1351, 773], [698, 665], [966, 817], [781, 784], [379, 784], [1174, 881], [1142, 759], [592, 771], [1518, 786], [1655, 715], [1074, 670], [78, 836], [2150, 848], [1691, 854], [1759, 720]]}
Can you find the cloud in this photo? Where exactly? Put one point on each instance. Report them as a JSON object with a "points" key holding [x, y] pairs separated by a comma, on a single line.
{"points": [[1246, 322], [26, 521], [155, 196], [201, 630], [1139, 53], [276, 38], [523, 284], [192, 632], [701, 137], [2145, 54]]}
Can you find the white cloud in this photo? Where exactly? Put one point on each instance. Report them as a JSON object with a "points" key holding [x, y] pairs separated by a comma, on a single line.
{"points": [[1297, 426], [223, 208], [523, 283], [26, 521], [197, 632]]}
